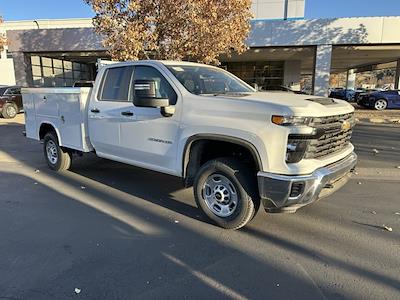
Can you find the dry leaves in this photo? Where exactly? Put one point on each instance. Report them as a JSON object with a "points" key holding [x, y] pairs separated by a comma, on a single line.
{"points": [[199, 30], [3, 40]]}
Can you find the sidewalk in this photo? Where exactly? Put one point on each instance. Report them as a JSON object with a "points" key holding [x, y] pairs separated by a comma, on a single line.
{"points": [[390, 116]]}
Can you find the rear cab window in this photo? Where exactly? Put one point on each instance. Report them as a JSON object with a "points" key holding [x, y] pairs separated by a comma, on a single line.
{"points": [[116, 84]]}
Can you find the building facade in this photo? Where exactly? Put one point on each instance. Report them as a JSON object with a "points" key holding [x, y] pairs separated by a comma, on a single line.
{"points": [[278, 9], [284, 49]]}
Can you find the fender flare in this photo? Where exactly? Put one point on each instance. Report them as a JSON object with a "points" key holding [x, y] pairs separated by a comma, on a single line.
{"points": [[218, 137], [55, 129]]}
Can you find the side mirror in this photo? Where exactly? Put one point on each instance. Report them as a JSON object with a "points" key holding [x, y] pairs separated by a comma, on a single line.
{"points": [[145, 94]]}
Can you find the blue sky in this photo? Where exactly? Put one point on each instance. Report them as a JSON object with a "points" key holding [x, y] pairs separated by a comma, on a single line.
{"points": [[54, 9]]}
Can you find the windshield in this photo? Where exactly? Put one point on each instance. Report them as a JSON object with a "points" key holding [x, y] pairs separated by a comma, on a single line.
{"points": [[2, 90], [200, 80]]}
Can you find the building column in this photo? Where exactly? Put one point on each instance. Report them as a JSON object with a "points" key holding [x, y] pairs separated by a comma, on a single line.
{"points": [[322, 70], [22, 69], [351, 80], [397, 78], [292, 74]]}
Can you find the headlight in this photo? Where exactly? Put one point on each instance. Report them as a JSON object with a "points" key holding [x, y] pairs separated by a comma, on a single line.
{"points": [[295, 150], [290, 120]]}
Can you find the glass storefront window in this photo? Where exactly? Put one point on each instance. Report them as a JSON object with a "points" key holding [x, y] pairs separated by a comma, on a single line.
{"points": [[57, 63], [266, 75], [67, 65], [46, 62], [48, 71], [36, 71], [35, 60]]}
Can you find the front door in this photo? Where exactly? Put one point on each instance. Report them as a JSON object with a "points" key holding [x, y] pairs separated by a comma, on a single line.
{"points": [[148, 138]]}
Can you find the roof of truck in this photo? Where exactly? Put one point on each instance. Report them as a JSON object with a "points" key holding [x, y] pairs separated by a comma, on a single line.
{"points": [[163, 62]]}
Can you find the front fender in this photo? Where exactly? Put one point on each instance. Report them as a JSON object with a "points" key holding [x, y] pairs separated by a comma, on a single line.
{"points": [[243, 138]]}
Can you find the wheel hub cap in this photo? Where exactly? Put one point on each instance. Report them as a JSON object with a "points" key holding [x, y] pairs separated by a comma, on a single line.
{"points": [[220, 195], [380, 104], [51, 150], [11, 111]]}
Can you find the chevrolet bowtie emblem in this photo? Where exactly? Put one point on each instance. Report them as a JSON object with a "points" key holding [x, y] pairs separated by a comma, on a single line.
{"points": [[346, 125]]}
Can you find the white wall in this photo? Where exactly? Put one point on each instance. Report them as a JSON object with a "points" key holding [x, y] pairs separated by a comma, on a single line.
{"points": [[46, 24], [278, 9], [7, 76], [342, 31]]}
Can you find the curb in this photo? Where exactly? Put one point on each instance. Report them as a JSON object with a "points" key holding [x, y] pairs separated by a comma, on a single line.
{"points": [[392, 121], [383, 174]]}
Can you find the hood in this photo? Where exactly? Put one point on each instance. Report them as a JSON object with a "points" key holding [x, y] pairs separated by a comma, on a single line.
{"points": [[300, 105]]}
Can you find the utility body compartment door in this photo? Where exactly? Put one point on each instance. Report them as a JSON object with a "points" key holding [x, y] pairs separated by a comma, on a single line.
{"points": [[65, 109]]}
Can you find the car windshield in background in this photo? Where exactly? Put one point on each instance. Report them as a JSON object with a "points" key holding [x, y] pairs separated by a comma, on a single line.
{"points": [[2, 90], [202, 80]]}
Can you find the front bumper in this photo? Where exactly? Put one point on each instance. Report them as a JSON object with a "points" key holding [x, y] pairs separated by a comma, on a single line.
{"points": [[285, 193]]}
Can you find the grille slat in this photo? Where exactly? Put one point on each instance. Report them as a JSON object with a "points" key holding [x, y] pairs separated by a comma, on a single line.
{"points": [[334, 140]]}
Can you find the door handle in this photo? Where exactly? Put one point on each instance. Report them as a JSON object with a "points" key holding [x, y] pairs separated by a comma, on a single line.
{"points": [[95, 110], [127, 113]]}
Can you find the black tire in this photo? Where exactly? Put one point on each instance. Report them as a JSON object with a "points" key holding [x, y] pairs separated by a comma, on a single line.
{"points": [[10, 110], [244, 183], [380, 104], [63, 157]]}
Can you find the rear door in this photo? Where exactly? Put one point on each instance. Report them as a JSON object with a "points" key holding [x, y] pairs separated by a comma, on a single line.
{"points": [[393, 98], [397, 99], [108, 104]]}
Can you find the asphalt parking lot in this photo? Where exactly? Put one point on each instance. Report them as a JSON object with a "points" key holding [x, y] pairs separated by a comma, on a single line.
{"points": [[105, 230]]}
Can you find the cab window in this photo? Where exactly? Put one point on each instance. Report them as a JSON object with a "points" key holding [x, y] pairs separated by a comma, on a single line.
{"points": [[13, 91], [116, 83]]}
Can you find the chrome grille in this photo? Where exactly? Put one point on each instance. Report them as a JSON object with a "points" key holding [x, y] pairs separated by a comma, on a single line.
{"points": [[334, 139]]}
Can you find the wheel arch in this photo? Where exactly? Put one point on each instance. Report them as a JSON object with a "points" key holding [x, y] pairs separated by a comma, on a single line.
{"points": [[46, 127], [191, 154]]}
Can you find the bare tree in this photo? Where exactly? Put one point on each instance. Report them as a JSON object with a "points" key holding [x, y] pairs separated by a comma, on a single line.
{"points": [[198, 30]]}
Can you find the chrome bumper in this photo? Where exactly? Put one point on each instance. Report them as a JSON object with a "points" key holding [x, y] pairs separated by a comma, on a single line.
{"points": [[283, 193]]}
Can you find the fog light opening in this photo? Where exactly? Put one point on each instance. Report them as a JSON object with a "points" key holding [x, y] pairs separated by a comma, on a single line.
{"points": [[297, 189]]}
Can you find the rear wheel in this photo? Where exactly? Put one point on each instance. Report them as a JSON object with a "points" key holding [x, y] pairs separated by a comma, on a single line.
{"points": [[380, 104], [56, 157], [226, 191], [10, 110]]}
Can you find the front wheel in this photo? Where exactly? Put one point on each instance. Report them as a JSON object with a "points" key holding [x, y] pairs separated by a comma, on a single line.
{"points": [[57, 158], [380, 104], [226, 191]]}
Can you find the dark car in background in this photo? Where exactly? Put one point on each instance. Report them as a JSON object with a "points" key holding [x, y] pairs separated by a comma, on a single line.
{"points": [[358, 92], [343, 94], [381, 100], [10, 101], [360, 95]]}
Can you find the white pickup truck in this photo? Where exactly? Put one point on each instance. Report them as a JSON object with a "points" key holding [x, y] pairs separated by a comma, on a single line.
{"points": [[233, 144]]}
